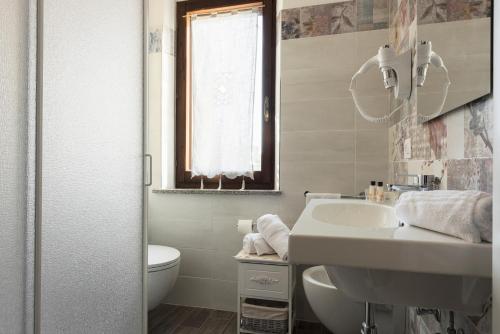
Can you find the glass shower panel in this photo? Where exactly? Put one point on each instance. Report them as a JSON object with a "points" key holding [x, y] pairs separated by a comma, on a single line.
{"points": [[92, 185], [14, 54]]}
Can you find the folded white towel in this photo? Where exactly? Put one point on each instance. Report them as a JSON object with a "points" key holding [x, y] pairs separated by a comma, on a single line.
{"points": [[254, 243], [451, 212], [276, 233]]}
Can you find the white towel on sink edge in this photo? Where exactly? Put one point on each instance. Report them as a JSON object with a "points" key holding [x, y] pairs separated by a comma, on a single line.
{"points": [[451, 212], [276, 233]]}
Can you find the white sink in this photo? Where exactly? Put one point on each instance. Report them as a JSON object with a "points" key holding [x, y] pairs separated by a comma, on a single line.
{"points": [[371, 258], [355, 213]]}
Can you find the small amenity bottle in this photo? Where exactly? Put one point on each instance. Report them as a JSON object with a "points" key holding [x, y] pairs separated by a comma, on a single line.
{"points": [[372, 191], [380, 196]]}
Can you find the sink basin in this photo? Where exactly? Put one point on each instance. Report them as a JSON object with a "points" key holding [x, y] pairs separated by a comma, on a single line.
{"points": [[372, 258], [357, 214]]}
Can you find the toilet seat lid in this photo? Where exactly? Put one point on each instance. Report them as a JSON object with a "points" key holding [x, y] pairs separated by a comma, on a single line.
{"points": [[161, 256]]}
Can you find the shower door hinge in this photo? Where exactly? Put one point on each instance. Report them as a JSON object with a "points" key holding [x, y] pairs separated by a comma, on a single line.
{"points": [[150, 169]]}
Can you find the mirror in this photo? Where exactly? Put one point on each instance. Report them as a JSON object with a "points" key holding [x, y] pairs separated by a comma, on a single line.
{"points": [[453, 55]]}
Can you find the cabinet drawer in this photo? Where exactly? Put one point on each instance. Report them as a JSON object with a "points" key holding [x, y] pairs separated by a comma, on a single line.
{"points": [[261, 280]]}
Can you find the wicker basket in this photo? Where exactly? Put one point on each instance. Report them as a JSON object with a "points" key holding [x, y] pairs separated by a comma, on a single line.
{"points": [[264, 316]]}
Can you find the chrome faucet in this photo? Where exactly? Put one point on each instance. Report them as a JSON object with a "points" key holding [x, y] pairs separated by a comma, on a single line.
{"points": [[423, 183]]}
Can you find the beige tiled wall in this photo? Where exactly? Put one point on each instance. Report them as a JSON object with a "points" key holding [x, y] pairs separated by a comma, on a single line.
{"points": [[203, 228], [325, 147], [454, 147], [449, 146]]}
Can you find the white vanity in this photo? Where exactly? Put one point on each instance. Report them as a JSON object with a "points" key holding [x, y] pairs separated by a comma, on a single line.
{"points": [[371, 257], [265, 278]]}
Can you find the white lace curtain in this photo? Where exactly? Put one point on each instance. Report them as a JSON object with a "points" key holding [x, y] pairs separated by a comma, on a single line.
{"points": [[226, 94]]}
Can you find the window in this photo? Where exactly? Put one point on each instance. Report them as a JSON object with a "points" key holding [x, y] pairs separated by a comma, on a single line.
{"points": [[225, 83]]}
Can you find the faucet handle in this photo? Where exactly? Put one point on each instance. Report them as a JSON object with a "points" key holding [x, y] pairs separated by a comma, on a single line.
{"points": [[425, 181], [430, 182]]}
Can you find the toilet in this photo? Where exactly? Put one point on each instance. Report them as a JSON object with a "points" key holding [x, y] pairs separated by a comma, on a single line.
{"points": [[163, 269], [336, 311]]}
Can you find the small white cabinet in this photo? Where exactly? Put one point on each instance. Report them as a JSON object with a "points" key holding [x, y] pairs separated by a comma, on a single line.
{"points": [[265, 277]]}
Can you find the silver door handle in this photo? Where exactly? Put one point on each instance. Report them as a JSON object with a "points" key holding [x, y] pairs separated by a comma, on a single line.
{"points": [[150, 169]]}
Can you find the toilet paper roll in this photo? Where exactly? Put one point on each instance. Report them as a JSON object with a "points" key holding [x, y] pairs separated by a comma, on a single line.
{"points": [[245, 226]]}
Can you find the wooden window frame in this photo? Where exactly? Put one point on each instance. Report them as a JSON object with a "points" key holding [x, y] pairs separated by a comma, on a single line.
{"points": [[264, 179]]}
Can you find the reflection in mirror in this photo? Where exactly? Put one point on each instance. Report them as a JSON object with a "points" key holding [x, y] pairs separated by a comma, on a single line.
{"points": [[395, 71], [426, 57], [453, 58]]}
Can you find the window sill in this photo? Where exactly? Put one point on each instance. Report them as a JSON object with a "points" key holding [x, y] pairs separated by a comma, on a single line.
{"points": [[217, 192]]}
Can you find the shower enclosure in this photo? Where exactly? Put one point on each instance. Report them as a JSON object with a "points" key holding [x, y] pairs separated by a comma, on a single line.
{"points": [[71, 168]]}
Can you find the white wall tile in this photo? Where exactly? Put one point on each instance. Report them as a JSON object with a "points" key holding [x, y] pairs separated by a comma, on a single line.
{"points": [[244, 207], [225, 236], [181, 233], [196, 262], [224, 295], [224, 267], [191, 291], [171, 206]]}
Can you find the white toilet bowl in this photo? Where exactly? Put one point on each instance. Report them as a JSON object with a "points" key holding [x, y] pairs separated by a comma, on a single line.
{"points": [[337, 312], [163, 269]]}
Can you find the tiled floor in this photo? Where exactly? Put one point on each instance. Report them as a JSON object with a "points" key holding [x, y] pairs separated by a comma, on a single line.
{"points": [[170, 319], [166, 319]]}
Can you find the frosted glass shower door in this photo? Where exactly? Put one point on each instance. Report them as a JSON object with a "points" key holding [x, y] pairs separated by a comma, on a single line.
{"points": [[91, 167], [16, 225]]}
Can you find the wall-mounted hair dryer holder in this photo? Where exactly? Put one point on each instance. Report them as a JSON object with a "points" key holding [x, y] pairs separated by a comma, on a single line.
{"points": [[425, 57], [396, 71]]}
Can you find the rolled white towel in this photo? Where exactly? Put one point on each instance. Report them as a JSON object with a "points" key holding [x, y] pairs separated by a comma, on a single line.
{"points": [[262, 247], [254, 243], [248, 243], [451, 212], [483, 217], [276, 233]]}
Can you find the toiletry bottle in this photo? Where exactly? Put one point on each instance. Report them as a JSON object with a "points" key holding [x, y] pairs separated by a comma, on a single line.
{"points": [[380, 196], [372, 191]]}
